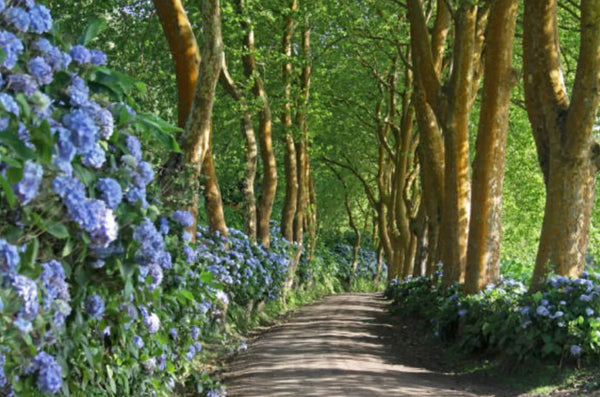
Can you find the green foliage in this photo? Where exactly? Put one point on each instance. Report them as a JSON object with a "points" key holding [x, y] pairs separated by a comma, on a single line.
{"points": [[558, 322]]}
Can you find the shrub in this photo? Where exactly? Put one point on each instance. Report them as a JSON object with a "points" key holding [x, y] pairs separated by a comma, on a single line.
{"points": [[561, 321]]}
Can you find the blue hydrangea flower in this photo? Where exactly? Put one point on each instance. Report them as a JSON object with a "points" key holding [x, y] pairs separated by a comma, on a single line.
{"points": [[191, 353], [111, 192], [195, 332], [151, 242], [79, 93], [166, 261], [12, 47], [9, 104], [42, 45], [54, 283], [40, 19], [156, 275], [152, 322], [17, 17], [575, 350], [585, 298], [190, 254], [173, 333], [2, 375], [107, 229], [64, 151], [136, 195], [84, 130], [24, 326], [163, 226], [589, 311], [184, 218], [49, 373], [162, 362], [28, 187], [103, 118], [138, 341], [9, 258], [80, 54], [61, 311], [186, 236], [63, 186], [98, 57], [22, 83], [27, 290], [94, 306], [542, 311], [134, 146], [40, 70], [143, 175], [95, 158]]}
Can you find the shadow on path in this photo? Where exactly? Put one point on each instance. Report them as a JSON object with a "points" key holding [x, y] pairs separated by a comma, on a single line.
{"points": [[346, 345]]}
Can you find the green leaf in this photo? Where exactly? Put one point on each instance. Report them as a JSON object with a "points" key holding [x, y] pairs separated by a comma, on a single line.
{"points": [[161, 130], [206, 277], [57, 229], [187, 294], [93, 29], [8, 192], [31, 253], [14, 143], [67, 249]]}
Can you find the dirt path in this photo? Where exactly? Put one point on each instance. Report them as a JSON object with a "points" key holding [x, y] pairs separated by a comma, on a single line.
{"points": [[346, 345]]}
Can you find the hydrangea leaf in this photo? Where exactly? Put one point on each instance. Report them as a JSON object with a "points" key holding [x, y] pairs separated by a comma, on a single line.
{"points": [[13, 142], [57, 229], [94, 28], [161, 130], [31, 253], [8, 192]]}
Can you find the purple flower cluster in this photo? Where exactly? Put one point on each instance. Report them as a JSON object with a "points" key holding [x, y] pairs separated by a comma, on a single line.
{"points": [[94, 306], [49, 373]]}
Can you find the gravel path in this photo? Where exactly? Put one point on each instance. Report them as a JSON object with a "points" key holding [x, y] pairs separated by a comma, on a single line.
{"points": [[345, 345]]}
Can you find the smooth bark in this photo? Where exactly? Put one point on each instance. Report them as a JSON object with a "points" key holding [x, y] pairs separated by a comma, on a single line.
{"points": [[485, 230]]}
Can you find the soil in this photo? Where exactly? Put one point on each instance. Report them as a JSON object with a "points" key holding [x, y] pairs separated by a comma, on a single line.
{"points": [[350, 345]]}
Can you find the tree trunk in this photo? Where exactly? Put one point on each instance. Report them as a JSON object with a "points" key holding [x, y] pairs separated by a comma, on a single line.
{"points": [[269, 183], [302, 144], [247, 128], [195, 98], [485, 230], [212, 195], [291, 169], [563, 132], [185, 52], [455, 216]]}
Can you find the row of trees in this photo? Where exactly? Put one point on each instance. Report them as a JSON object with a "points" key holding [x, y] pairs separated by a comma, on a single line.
{"points": [[409, 107], [428, 90]]}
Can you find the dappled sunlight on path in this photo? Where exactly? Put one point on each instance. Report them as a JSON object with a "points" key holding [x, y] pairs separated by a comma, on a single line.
{"points": [[342, 346]]}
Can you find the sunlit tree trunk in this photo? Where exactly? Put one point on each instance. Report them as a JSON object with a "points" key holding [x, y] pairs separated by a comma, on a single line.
{"points": [[455, 216], [185, 52], [302, 142], [312, 215], [485, 231], [212, 194], [291, 169], [451, 110], [269, 182], [563, 132], [251, 153], [195, 97]]}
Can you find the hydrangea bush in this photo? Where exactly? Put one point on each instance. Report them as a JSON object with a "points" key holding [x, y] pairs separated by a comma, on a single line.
{"points": [[98, 295], [560, 321]]}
